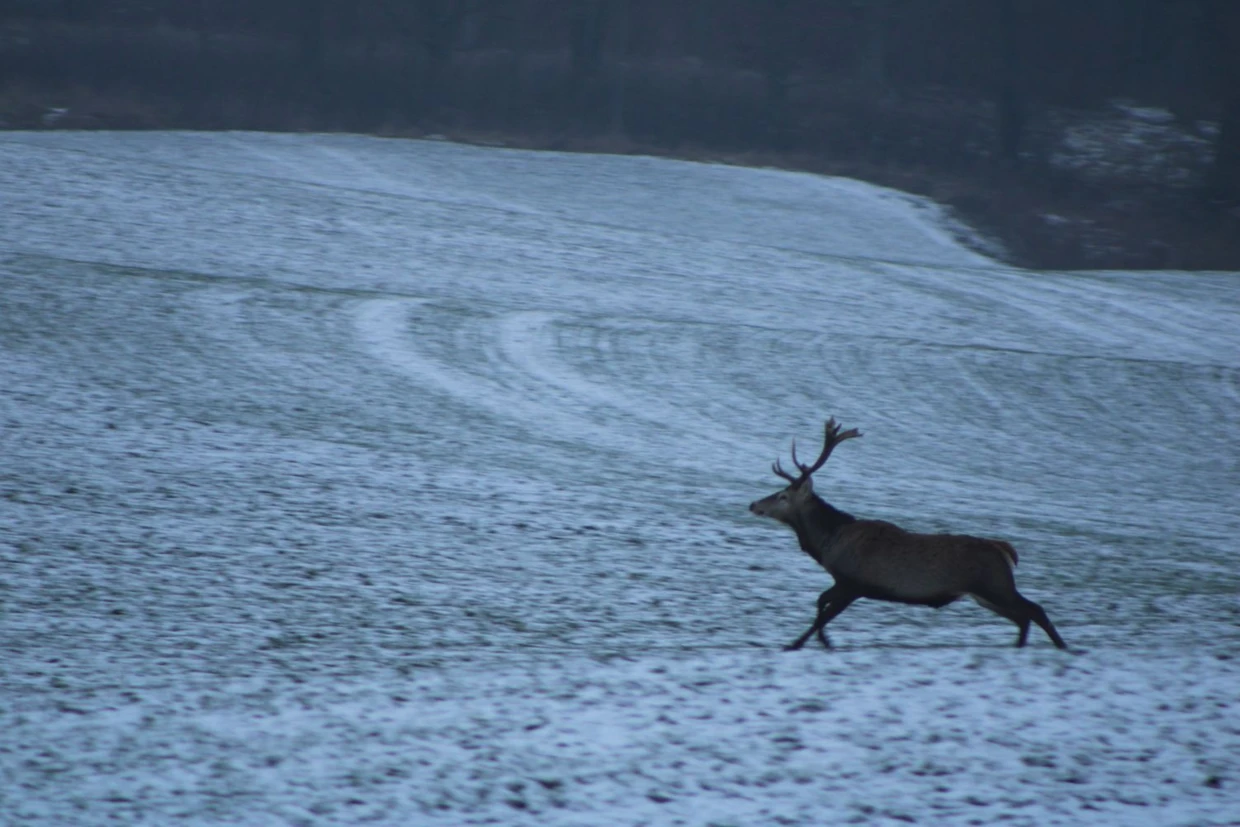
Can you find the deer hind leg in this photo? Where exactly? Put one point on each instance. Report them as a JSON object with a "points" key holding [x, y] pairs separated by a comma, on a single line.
{"points": [[1038, 616], [1021, 611]]}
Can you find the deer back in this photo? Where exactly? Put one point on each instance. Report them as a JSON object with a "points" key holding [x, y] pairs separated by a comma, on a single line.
{"points": [[908, 566]]}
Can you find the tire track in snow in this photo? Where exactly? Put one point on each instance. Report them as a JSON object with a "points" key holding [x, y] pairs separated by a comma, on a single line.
{"points": [[525, 368]]}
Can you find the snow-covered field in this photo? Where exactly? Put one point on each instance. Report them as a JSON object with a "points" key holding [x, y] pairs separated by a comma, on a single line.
{"points": [[347, 480]]}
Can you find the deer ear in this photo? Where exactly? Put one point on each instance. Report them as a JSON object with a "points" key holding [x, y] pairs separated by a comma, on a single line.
{"points": [[806, 485]]}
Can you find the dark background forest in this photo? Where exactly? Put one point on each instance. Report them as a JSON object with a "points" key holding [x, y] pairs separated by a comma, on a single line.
{"points": [[1076, 133]]}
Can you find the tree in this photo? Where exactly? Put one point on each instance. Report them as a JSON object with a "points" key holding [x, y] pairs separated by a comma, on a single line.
{"points": [[872, 54], [778, 58], [310, 39], [587, 31], [622, 30], [1012, 95], [1220, 20], [437, 26]]}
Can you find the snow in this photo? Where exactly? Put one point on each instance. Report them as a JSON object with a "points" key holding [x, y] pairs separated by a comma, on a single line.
{"points": [[349, 480], [1128, 144]]}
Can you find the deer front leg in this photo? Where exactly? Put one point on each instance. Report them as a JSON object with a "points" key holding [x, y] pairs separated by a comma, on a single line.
{"points": [[824, 600], [830, 603]]}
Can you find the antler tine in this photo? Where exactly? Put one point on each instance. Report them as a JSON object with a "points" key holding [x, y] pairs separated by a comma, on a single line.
{"points": [[831, 438], [780, 472]]}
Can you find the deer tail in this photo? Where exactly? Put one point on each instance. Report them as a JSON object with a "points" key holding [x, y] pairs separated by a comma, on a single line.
{"points": [[1008, 552]]}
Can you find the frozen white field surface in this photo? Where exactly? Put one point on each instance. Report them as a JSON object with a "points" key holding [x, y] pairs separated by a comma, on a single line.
{"points": [[347, 480]]}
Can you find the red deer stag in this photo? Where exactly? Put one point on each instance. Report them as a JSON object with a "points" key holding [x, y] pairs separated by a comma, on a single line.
{"points": [[881, 561]]}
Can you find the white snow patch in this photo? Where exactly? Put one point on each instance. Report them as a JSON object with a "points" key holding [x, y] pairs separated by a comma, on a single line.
{"points": [[352, 480]]}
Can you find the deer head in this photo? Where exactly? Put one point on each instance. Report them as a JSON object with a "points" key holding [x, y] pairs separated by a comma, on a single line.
{"points": [[783, 504]]}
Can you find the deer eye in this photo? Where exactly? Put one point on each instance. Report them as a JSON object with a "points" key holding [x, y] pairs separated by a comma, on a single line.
{"points": [[783, 496]]}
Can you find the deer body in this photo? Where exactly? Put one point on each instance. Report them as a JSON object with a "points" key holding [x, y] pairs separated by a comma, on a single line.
{"points": [[881, 561]]}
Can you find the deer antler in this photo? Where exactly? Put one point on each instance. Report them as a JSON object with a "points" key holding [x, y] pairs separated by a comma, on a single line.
{"points": [[780, 472], [831, 438]]}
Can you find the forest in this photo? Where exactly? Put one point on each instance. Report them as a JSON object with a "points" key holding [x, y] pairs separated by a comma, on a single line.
{"points": [[1078, 132]]}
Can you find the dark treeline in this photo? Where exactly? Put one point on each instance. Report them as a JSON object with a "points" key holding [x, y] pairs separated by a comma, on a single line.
{"points": [[943, 84]]}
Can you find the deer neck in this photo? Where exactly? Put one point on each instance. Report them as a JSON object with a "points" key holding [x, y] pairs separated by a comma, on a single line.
{"points": [[816, 526]]}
